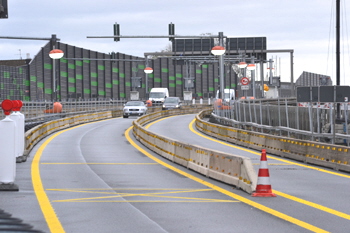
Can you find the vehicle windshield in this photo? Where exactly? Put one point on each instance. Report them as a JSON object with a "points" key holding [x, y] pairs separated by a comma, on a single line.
{"points": [[134, 103], [156, 95], [171, 100]]}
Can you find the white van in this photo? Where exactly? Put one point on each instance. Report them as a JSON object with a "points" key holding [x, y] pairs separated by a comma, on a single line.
{"points": [[229, 95], [158, 95]]}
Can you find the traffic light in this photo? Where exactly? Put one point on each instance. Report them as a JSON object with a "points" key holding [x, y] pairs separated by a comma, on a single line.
{"points": [[171, 31], [116, 31], [3, 9]]}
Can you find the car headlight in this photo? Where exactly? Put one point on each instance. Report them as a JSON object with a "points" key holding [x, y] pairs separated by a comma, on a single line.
{"points": [[177, 106], [163, 105]]}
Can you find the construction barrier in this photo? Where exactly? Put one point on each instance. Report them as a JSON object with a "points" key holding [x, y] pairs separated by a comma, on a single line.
{"points": [[332, 156], [231, 169]]}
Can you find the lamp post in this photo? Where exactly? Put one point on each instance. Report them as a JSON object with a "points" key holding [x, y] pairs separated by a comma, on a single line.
{"points": [[251, 68], [55, 54], [219, 51], [147, 70]]}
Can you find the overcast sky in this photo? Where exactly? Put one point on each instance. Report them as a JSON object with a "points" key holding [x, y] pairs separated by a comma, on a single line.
{"points": [[308, 27]]}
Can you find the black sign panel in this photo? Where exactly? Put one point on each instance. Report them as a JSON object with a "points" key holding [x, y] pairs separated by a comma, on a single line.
{"points": [[303, 94], [326, 94], [342, 94]]}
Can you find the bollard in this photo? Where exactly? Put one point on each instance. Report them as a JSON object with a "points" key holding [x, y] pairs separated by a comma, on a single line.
{"points": [[7, 149], [193, 101], [201, 101], [21, 130], [208, 101]]}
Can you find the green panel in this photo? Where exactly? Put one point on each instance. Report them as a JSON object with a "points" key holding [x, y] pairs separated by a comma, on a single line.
{"points": [[172, 85], [63, 60], [6, 74], [204, 66], [71, 66], [211, 89], [93, 75], [199, 94], [178, 82], [79, 76], [151, 75], [1, 86], [216, 80], [142, 67], [100, 67], [108, 85], [127, 84], [20, 70], [198, 71], [121, 75], [27, 98], [71, 80], [87, 91], [101, 93], [233, 85], [58, 87], [135, 69], [33, 78], [115, 82], [94, 83], [47, 66], [122, 95], [40, 84], [78, 63], [86, 61], [71, 89], [165, 70], [172, 78], [48, 91], [157, 80], [64, 74], [115, 70], [143, 85], [178, 75]]}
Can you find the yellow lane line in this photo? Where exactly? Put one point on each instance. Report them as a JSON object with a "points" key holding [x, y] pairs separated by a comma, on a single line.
{"points": [[230, 194], [50, 216], [314, 205], [99, 163], [190, 126]]}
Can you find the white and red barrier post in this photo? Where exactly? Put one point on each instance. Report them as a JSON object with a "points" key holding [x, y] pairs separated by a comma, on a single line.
{"points": [[7, 149]]}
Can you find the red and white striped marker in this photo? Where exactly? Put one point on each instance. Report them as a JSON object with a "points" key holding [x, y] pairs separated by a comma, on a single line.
{"points": [[263, 187]]}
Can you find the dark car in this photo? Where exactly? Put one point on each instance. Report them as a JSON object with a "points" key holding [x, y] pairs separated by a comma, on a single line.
{"points": [[171, 103]]}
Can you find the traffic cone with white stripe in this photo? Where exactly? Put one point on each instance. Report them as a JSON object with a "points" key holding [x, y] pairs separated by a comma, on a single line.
{"points": [[263, 187]]}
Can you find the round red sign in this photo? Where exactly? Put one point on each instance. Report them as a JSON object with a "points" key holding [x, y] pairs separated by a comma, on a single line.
{"points": [[244, 81]]}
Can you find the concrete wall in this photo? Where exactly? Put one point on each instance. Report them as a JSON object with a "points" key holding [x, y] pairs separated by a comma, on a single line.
{"points": [[228, 168]]}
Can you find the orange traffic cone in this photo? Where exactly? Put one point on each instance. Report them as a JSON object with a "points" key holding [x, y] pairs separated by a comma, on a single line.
{"points": [[263, 188]]}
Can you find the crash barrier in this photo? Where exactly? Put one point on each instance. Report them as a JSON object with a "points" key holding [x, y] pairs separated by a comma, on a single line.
{"points": [[322, 154], [37, 133], [228, 168]]}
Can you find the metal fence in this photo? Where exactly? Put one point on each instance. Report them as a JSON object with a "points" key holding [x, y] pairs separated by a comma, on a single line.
{"points": [[284, 117]]}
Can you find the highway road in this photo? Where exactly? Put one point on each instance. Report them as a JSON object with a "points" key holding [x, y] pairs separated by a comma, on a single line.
{"points": [[97, 178]]}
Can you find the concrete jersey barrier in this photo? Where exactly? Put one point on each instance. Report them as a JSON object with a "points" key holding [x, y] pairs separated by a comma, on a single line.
{"points": [[336, 157], [228, 168]]}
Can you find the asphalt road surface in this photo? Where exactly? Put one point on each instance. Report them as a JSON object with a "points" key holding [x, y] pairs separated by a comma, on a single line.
{"points": [[97, 178]]}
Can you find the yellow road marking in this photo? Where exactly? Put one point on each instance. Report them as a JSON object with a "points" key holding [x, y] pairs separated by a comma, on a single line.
{"points": [[122, 195], [314, 205], [100, 163], [230, 194]]}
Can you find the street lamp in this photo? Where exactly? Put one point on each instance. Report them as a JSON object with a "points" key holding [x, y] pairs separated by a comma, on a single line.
{"points": [[219, 51], [147, 70], [55, 54]]}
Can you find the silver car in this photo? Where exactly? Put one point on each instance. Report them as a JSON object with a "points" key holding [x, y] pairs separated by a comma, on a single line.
{"points": [[134, 108]]}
